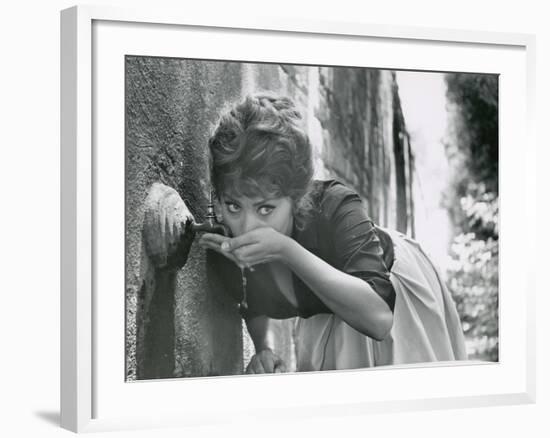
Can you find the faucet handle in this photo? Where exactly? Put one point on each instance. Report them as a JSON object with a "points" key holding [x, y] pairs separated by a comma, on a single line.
{"points": [[210, 226]]}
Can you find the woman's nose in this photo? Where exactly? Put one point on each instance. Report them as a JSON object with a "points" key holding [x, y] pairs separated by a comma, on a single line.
{"points": [[251, 222]]}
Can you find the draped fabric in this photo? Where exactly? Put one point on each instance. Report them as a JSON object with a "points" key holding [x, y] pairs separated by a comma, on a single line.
{"points": [[426, 325]]}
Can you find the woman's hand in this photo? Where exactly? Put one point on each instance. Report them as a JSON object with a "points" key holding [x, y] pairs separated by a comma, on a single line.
{"points": [[266, 362], [214, 241], [261, 245]]}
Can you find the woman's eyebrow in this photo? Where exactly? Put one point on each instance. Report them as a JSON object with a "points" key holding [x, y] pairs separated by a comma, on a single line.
{"points": [[228, 198], [264, 201]]}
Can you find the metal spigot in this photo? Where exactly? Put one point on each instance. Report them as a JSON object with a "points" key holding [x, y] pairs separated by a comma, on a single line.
{"points": [[211, 224]]}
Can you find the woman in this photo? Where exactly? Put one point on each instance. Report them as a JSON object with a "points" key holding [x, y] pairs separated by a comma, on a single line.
{"points": [[364, 296]]}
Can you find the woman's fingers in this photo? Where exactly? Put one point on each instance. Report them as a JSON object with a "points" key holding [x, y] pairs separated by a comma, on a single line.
{"points": [[251, 262], [266, 362], [245, 250], [250, 253], [255, 366], [240, 241], [279, 366], [207, 244], [247, 255], [217, 239]]}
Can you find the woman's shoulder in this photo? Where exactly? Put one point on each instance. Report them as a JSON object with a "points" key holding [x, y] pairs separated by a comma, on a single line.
{"points": [[330, 194], [331, 187], [344, 217]]}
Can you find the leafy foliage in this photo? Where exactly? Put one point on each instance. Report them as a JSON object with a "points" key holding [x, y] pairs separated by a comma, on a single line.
{"points": [[476, 98], [473, 277], [472, 202]]}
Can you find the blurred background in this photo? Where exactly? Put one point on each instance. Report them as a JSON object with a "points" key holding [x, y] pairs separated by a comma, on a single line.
{"points": [[420, 147], [452, 120]]}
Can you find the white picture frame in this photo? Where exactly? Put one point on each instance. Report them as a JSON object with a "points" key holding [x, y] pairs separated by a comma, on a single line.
{"points": [[90, 401]]}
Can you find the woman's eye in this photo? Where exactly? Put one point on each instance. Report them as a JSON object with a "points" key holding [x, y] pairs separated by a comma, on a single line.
{"points": [[233, 208], [264, 210]]}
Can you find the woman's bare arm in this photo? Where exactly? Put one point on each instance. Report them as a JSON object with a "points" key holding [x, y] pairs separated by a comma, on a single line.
{"points": [[258, 328], [349, 297], [265, 360]]}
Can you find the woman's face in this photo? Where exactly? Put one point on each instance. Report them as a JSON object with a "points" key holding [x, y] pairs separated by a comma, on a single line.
{"points": [[243, 214]]}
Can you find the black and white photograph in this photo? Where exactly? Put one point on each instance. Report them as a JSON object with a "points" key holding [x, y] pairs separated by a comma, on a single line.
{"points": [[239, 219], [290, 218]]}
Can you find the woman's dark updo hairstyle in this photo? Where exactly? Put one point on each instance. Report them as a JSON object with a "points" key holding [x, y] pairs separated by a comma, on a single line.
{"points": [[259, 149]]}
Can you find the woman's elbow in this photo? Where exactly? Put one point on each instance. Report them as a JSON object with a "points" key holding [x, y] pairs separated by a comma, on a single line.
{"points": [[383, 325]]}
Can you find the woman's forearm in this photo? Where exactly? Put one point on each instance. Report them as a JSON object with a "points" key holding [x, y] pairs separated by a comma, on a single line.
{"points": [[259, 331], [349, 297]]}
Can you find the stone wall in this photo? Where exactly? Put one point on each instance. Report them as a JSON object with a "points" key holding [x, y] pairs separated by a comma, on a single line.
{"points": [[182, 324], [354, 119]]}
